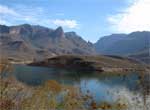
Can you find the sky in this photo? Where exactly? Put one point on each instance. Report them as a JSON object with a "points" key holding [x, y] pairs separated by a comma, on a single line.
{"points": [[90, 19]]}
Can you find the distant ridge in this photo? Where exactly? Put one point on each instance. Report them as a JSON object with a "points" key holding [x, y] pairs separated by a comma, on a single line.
{"points": [[132, 45]]}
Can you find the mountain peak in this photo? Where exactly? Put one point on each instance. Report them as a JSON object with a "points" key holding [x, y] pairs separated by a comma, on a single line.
{"points": [[59, 32], [26, 25], [59, 28]]}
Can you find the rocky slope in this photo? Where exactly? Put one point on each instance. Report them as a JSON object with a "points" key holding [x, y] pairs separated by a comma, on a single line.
{"points": [[28, 42], [33, 42]]}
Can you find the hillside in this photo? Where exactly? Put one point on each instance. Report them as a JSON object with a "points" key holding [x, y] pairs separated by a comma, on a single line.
{"points": [[33, 42], [134, 45], [28, 42], [123, 44], [143, 56], [91, 63]]}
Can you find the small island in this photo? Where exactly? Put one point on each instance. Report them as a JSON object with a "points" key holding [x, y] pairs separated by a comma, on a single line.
{"points": [[91, 63]]}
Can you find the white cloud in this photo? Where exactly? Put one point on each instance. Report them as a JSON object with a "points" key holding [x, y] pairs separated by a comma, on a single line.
{"points": [[7, 10], [65, 23], [12, 16], [3, 22], [135, 18]]}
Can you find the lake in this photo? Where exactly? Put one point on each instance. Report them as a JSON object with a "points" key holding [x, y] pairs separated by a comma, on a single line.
{"points": [[102, 87]]}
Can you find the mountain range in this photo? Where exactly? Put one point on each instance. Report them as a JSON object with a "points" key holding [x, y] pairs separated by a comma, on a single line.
{"points": [[37, 42], [29, 42], [135, 45]]}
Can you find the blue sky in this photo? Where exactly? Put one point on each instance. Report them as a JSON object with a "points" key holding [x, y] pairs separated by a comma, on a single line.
{"points": [[89, 18]]}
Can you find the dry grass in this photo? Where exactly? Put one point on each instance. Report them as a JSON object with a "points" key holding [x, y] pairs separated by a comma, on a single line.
{"points": [[50, 96]]}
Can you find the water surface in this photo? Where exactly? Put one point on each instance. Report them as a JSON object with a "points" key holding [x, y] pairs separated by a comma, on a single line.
{"points": [[101, 87]]}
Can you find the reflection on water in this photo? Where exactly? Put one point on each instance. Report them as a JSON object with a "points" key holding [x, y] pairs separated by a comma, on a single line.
{"points": [[101, 87]]}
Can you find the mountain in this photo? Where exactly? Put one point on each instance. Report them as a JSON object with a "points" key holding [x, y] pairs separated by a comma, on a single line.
{"points": [[30, 42], [123, 44], [143, 56], [132, 44]]}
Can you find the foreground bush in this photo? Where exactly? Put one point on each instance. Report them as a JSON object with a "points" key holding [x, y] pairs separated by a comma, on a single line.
{"points": [[50, 96]]}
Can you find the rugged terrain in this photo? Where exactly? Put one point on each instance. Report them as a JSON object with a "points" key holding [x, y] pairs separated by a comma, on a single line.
{"points": [[29, 42]]}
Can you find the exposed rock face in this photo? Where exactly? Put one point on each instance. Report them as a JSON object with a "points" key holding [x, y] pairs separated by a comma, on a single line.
{"points": [[37, 42], [58, 32]]}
